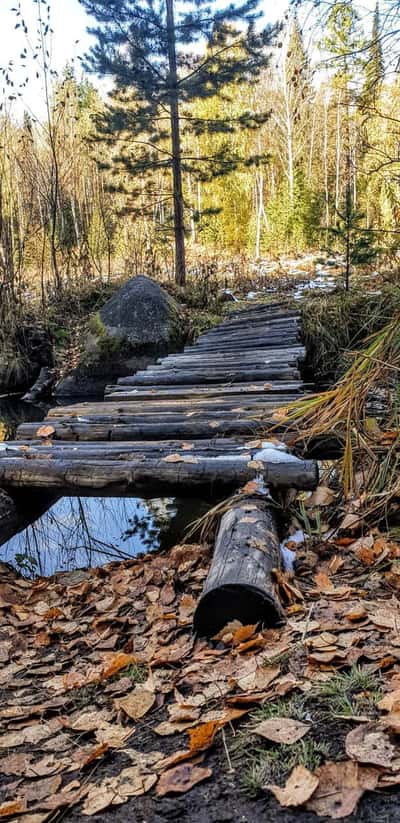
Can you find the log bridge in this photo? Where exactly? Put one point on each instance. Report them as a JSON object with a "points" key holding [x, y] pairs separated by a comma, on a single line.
{"points": [[195, 420]]}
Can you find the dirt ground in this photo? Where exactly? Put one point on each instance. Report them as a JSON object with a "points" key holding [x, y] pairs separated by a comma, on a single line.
{"points": [[110, 707]]}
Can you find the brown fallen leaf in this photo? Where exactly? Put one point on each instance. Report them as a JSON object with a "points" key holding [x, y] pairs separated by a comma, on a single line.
{"points": [[137, 703], [131, 782], [41, 789], [167, 727], [299, 787], [281, 730], [258, 465], [181, 779], [16, 764], [45, 431], [390, 702], [115, 663], [243, 633], [369, 744], [340, 787], [392, 722], [202, 737], [89, 721], [323, 496], [112, 735], [11, 808], [86, 757], [179, 458], [29, 735]]}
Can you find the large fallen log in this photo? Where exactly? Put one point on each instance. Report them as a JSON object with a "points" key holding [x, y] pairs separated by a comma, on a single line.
{"points": [[147, 476], [239, 584]]}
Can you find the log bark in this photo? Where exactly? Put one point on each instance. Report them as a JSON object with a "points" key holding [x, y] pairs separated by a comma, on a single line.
{"points": [[223, 362], [180, 377], [255, 354], [174, 429], [239, 584], [180, 407], [262, 342], [196, 390], [149, 476]]}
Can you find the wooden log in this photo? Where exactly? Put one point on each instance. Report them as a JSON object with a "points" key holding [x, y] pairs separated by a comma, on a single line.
{"points": [[181, 377], [262, 342], [258, 321], [121, 394], [278, 315], [183, 429], [223, 391], [195, 356], [239, 584], [218, 361], [59, 450], [218, 390], [156, 476], [259, 306], [255, 413], [251, 335], [144, 407]]}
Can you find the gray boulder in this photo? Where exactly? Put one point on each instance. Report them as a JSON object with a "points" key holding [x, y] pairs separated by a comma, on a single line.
{"points": [[139, 323]]}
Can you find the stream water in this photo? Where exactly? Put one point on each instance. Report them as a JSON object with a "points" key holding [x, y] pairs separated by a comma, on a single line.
{"points": [[79, 532]]}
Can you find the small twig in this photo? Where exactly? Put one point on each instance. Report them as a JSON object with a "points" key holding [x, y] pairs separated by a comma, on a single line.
{"points": [[228, 757], [310, 611]]}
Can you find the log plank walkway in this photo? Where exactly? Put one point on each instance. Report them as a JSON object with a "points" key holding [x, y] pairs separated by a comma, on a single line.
{"points": [[194, 419]]}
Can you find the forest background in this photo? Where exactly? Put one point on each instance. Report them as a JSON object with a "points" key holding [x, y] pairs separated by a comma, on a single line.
{"points": [[321, 171]]}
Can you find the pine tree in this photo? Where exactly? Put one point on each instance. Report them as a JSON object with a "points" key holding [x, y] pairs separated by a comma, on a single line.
{"points": [[357, 243], [163, 57]]}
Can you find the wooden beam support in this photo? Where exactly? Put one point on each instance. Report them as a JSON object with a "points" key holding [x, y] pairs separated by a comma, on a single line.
{"points": [[156, 476], [239, 585]]}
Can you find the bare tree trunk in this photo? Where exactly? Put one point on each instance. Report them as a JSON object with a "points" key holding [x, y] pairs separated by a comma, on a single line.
{"points": [[179, 226], [326, 176], [338, 152]]}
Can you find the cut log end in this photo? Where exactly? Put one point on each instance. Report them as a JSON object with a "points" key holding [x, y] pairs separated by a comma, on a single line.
{"points": [[239, 585], [243, 602]]}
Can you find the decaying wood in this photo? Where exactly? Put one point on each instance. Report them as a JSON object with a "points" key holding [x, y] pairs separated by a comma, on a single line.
{"points": [[181, 377], [145, 474], [183, 428], [195, 391], [239, 585]]}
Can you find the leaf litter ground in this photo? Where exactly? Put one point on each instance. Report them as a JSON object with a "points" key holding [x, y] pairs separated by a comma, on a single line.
{"points": [[110, 706]]}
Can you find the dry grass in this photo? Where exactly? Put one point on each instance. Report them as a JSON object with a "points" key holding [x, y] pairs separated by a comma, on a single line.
{"points": [[368, 428]]}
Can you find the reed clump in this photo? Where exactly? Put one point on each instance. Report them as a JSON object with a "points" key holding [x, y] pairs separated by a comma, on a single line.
{"points": [[362, 411]]}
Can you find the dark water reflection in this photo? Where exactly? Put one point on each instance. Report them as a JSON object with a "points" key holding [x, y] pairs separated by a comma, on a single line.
{"points": [[80, 532], [13, 412]]}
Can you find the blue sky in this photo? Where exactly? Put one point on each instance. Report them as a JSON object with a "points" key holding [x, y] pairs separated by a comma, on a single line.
{"points": [[69, 22]]}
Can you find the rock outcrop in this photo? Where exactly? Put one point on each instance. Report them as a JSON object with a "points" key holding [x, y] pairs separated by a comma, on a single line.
{"points": [[139, 323]]}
